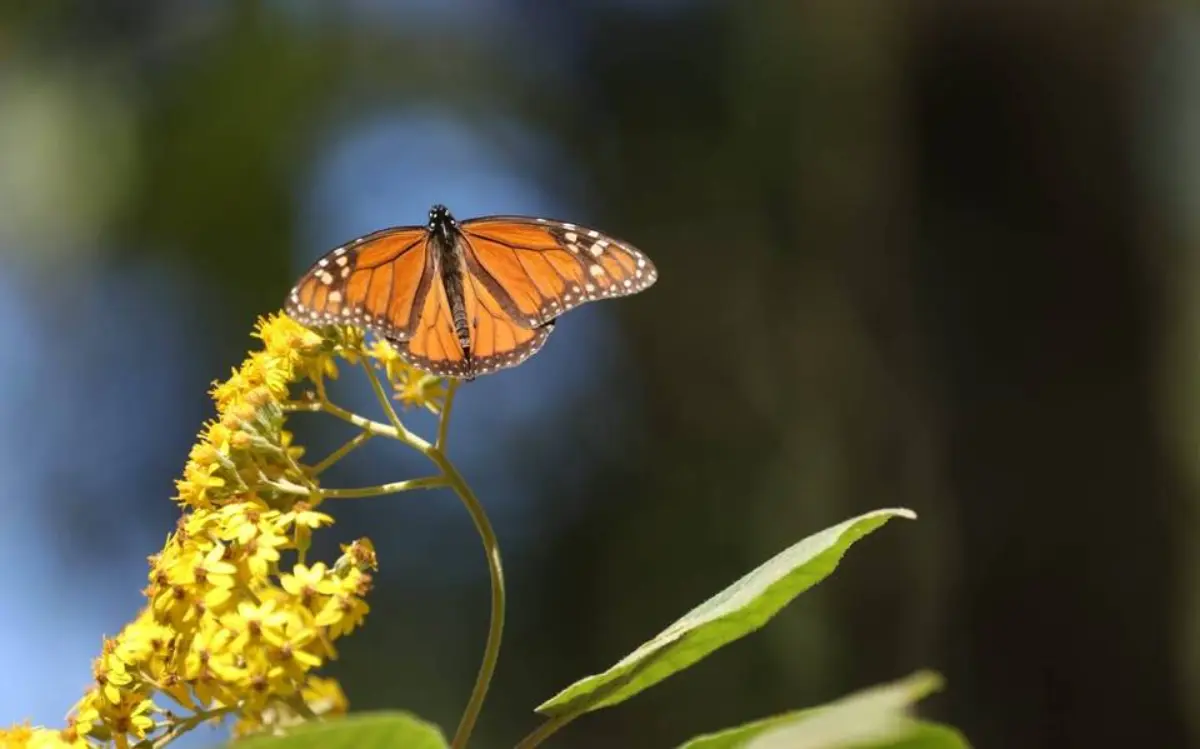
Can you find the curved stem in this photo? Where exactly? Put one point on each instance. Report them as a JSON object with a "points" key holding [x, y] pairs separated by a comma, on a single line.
{"points": [[435, 453], [491, 548], [491, 650]]}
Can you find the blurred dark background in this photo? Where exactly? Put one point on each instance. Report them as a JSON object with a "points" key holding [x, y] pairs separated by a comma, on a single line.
{"points": [[921, 253]]}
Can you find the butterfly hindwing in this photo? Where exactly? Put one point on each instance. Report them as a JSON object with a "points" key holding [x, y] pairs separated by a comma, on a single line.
{"points": [[434, 345], [497, 340]]}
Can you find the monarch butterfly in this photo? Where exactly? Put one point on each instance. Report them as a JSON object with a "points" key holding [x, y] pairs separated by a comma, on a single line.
{"points": [[461, 299]]}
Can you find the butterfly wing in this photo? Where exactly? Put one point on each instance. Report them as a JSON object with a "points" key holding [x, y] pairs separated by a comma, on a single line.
{"points": [[434, 345], [379, 281], [535, 269], [497, 340]]}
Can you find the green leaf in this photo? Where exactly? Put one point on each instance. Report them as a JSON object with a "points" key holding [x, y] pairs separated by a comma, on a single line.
{"points": [[390, 730], [731, 614], [927, 735], [875, 718]]}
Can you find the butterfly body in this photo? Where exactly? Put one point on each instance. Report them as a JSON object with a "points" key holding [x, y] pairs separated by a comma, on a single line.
{"points": [[449, 258], [462, 299]]}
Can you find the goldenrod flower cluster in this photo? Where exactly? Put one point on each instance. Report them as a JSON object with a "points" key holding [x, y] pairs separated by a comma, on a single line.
{"points": [[235, 622]]}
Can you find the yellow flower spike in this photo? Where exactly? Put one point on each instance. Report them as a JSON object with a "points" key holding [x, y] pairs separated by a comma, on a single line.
{"points": [[223, 627]]}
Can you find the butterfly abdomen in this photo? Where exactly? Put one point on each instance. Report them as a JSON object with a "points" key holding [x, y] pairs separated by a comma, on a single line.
{"points": [[444, 237], [453, 279]]}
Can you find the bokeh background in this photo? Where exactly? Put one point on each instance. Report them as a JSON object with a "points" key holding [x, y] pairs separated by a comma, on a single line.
{"points": [[923, 253]]}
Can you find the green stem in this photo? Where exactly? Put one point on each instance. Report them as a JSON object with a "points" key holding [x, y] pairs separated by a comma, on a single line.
{"points": [[544, 731], [369, 425], [444, 416], [402, 432], [353, 444], [491, 547], [427, 482], [191, 722], [491, 650]]}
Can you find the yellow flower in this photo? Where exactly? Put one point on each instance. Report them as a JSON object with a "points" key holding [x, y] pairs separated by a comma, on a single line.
{"points": [[243, 520], [304, 520], [26, 737], [199, 485], [361, 554], [17, 736], [209, 644], [260, 553], [254, 622], [263, 680], [309, 585], [112, 677], [292, 655], [83, 718], [342, 614], [143, 639], [412, 386], [132, 715], [324, 696]]}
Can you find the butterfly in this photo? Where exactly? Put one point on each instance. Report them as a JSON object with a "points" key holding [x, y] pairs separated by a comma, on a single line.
{"points": [[460, 299]]}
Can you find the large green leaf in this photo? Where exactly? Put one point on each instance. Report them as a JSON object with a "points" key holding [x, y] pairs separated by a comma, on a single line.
{"points": [[731, 614], [391, 730], [927, 735], [876, 718]]}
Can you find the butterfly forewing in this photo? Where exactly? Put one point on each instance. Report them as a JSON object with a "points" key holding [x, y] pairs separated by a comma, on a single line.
{"points": [[376, 281], [539, 268]]}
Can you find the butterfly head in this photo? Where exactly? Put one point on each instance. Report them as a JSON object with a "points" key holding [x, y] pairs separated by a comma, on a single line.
{"points": [[439, 215]]}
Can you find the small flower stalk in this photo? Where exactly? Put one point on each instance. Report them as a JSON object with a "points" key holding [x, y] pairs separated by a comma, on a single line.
{"points": [[237, 621]]}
